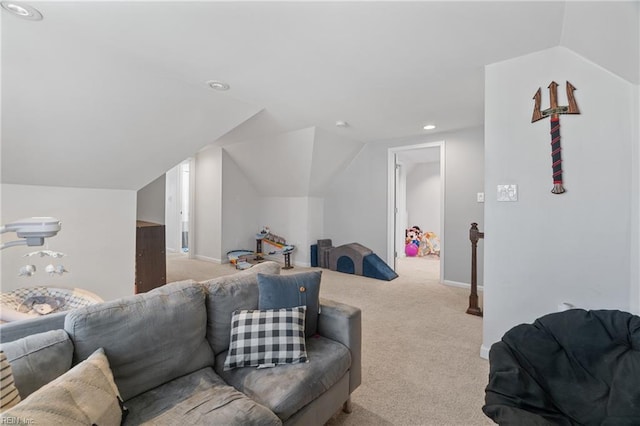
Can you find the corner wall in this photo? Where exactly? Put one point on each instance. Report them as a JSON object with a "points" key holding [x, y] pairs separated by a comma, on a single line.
{"points": [[241, 213], [297, 219], [546, 249], [207, 215], [98, 236], [150, 204]]}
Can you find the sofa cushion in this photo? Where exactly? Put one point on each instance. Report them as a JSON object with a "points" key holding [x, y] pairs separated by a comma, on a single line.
{"points": [[199, 398], [285, 389], [150, 338], [9, 395], [228, 294], [288, 291], [38, 359], [267, 338], [84, 395]]}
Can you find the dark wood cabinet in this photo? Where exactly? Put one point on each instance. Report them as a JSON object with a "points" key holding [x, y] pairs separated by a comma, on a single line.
{"points": [[151, 260]]}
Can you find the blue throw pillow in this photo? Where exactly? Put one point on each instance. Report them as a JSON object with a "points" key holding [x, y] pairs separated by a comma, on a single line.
{"points": [[289, 291]]}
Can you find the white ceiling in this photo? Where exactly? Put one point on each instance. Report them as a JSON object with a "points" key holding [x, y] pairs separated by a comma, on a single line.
{"points": [[112, 94]]}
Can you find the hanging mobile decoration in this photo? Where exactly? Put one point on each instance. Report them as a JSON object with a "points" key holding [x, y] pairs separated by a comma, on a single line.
{"points": [[554, 112], [29, 270], [51, 269], [43, 253]]}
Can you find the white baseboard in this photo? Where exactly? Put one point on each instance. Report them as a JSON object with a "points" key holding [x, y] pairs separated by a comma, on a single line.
{"points": [[461, 285], [207, 259], [171, 250], [484, 352]]}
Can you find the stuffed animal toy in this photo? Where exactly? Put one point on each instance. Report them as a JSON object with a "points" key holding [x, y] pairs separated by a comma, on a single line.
{"points": [[430, 244], [412, 241], [412, 236]]}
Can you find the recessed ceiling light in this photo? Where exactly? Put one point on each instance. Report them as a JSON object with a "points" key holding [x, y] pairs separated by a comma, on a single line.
{"points": [[22, 10], [341, 123], [429, 127], [218, 85]]}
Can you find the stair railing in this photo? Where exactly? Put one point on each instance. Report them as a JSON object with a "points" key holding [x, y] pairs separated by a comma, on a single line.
{"points": [[474, 236]]}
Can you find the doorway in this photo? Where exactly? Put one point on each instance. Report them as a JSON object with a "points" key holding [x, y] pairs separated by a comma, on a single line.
{"points": [[416, 194], [179, 207]]}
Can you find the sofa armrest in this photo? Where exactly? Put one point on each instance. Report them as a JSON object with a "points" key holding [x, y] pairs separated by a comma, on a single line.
{"points": [[343, 323], [15, 330]]}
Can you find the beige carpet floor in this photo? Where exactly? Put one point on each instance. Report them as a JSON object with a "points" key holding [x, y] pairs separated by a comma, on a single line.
{"points": [[420, 355]]}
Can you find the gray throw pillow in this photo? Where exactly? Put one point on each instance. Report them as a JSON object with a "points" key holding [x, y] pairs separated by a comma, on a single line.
{"points": [[38, 359], [289, 291]]}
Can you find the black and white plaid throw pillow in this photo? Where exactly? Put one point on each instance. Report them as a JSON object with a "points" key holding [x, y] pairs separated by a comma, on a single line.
{"points": [[267, 338]]}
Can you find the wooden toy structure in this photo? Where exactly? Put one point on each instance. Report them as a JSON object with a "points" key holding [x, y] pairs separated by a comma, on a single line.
{"points": [[244, 259], [266, 237]]}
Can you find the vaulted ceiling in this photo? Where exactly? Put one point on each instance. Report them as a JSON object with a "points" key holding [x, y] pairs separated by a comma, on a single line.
{"points": [[112, 94]]}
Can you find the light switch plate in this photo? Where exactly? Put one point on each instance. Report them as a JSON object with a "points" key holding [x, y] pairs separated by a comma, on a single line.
{"points": [[480, 197], [507, 192]]}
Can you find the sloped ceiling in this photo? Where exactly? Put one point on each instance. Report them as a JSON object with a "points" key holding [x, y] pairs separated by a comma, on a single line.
{"points": [[112, 94], [277, 166], [294, 164]]}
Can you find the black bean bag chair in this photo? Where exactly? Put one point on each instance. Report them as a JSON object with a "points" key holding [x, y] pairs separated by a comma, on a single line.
{"points": [[574, 367]]}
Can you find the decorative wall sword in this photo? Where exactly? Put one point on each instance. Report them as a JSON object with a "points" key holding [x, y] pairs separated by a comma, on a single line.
{"points": [[554, 112]]}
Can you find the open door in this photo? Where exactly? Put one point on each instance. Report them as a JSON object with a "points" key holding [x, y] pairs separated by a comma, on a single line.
{"points": [[403, 163]]}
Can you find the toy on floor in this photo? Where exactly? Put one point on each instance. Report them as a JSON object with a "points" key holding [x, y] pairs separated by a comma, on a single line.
{"points": [[412, 241], [265, 236], [350, 258], [240, 258], [420, 243], [411, 250], [430, 244]]}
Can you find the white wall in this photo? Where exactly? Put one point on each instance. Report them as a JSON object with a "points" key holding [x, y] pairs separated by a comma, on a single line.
{"points": [[423, 197], [464, 179], [356, 201], [151, 204], [546, 249], [635, 209], [331, 153], [98, 235], [207, 215], [297, 219], [240, 209], [278, 165]]}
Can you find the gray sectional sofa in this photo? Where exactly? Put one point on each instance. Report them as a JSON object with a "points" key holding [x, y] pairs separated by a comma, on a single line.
{"points": [[166, 350]]}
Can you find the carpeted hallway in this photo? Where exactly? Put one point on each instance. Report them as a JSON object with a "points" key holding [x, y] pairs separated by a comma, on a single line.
{"points": [[420, 354]]}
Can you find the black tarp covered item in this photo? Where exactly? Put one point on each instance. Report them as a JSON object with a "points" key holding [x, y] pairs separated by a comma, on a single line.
{"points": [[574, 367]]}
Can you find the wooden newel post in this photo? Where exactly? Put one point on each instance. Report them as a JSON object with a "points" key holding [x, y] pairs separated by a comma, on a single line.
{"points": [[474, 236]]}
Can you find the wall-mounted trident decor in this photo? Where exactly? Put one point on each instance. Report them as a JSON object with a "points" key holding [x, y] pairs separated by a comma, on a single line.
{"points": [[554, 112]]}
